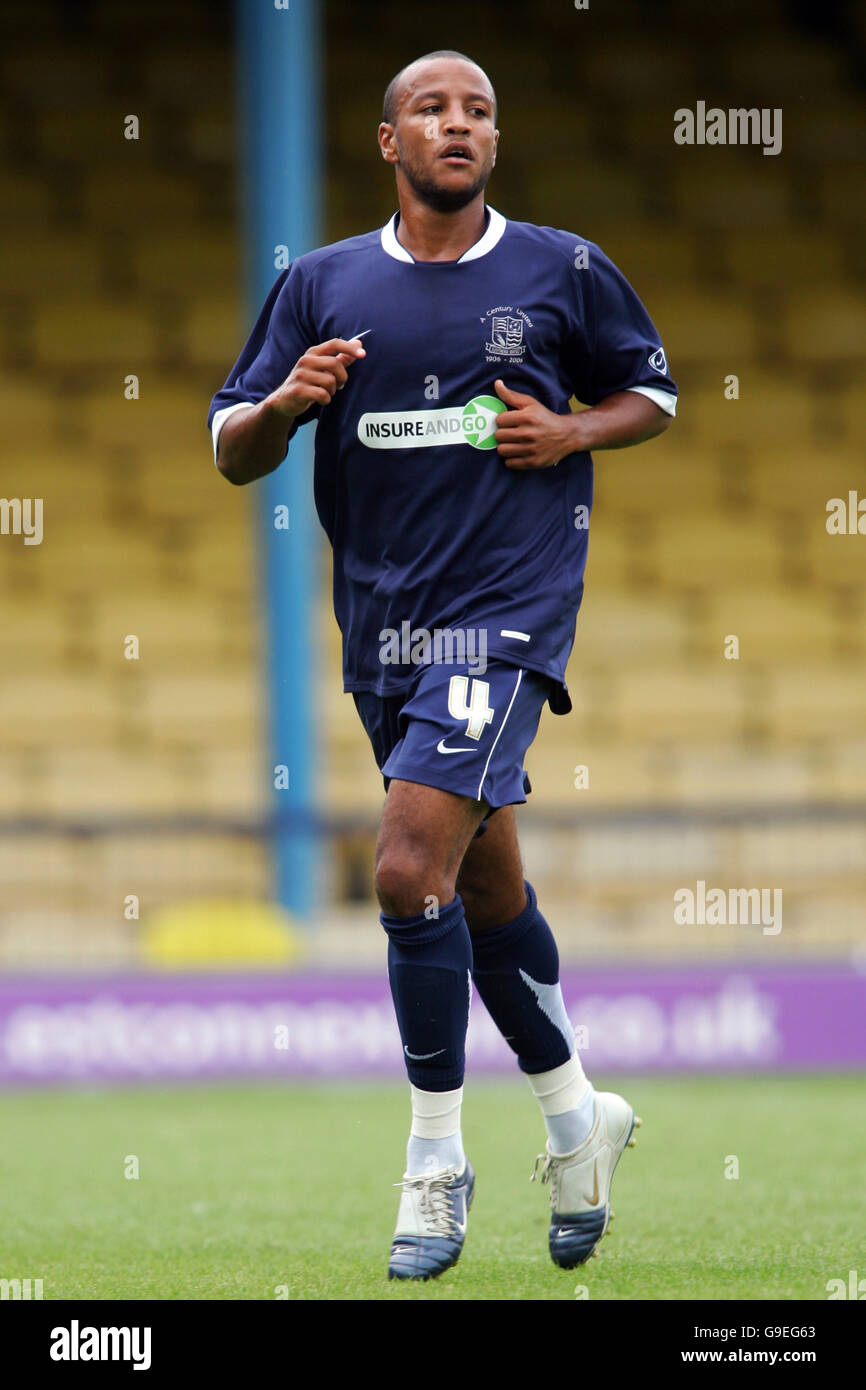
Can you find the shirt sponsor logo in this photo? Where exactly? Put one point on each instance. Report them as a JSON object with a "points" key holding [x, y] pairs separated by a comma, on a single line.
{"points": [[473, 424]]}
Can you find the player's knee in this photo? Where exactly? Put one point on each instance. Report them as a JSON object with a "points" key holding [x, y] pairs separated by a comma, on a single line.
{"points": [[480, 916], [405, 883], [480, 898], [473, 902]]}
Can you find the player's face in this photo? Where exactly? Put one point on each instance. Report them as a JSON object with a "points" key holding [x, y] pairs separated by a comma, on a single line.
{"points": [[444, 140]]}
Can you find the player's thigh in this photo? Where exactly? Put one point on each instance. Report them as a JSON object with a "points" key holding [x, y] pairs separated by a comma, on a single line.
{"points": [[490, 880]]}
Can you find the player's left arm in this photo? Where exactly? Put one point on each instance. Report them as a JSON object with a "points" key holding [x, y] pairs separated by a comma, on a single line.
{"points": [[528, 435]]}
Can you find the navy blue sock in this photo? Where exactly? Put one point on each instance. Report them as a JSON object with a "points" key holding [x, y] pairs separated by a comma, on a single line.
{"points": [[429, 966], [516, 972]]}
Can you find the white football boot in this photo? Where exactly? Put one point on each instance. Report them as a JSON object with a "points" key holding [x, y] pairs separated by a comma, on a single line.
{"points": [[431, 1223], [580, 1181]]}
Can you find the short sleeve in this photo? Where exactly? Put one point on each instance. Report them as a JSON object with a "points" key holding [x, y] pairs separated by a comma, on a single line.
{"points": [[282, 333], [622, 349]]}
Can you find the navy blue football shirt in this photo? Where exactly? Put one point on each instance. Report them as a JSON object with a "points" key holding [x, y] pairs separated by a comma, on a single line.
{"points": [[428, 525]]}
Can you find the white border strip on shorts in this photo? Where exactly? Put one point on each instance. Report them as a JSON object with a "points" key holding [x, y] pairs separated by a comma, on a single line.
{"points": [[499, 735]]}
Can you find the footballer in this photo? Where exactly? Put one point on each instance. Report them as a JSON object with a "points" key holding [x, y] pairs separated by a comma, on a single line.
{"points": [[438, 356]]}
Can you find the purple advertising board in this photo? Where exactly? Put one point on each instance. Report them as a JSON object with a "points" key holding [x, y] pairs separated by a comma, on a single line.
{"points": [[312, 1026]]}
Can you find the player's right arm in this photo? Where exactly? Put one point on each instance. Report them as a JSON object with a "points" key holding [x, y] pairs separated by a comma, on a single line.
{"points": [[253, 442]]}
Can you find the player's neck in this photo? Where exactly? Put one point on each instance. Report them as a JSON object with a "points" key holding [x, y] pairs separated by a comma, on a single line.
{"points": [[429, 235]]}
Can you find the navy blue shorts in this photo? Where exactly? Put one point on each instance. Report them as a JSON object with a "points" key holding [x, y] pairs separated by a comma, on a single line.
{"points": [[460, 731]]}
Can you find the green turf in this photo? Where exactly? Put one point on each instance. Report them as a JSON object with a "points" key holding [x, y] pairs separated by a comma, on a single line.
{"points": [[245, 1189]]}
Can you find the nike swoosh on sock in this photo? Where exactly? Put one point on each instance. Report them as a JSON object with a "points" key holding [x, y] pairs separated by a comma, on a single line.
{"points": [[549, 999]]}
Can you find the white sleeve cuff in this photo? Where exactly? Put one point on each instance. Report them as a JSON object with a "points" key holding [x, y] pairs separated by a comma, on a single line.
{"points": [[220, 418], [663, 399]]}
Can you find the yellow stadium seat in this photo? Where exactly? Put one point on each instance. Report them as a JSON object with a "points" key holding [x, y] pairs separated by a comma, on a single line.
{"points": [[81, 333], [760, 258], [842, 194], [708, 329], [825, 327], [136, 195], [613, 191], [740, 774], [41, 263], [722, 187], [765, 408], [636, 66], [163, 422], [214, 334], [818, 702], [25, 200], [617, 627], [188, 262], [798, 65], [75, 132], [839, 560], [654, 258], [657, 477], [844, 775], [51, 72], [852, 406], [797, 478], [771, 624], [707, 703], [709, 552], [188, 76]]}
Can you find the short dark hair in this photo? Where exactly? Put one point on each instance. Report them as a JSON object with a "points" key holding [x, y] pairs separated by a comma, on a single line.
{"points": [[389, 105]]}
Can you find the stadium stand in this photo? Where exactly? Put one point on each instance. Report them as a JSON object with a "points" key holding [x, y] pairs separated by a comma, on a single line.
{"points": [[122, 257]]}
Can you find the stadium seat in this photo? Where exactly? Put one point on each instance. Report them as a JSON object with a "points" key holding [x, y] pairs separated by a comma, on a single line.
{"points": [[654, 257], [138, 195], [808, 701], [765, 408], [187, 256], [826, 327], [82, 332], [708, 329], [705, 552], [681, 704], [750, 265], [41, 263], [50, 73], [797, 65], [213, 337], [759, 258], [721, 190], [26, 200]]}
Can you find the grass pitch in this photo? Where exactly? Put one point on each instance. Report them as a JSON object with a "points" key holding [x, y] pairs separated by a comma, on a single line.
{"points": [[260, 1192]]}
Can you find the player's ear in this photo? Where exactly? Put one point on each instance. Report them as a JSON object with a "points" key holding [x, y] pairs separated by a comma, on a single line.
{"points": [[387, 143], [495, 145]]}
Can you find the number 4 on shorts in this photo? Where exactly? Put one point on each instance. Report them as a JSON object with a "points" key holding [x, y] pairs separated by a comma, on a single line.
{"points": [[476, 710]]}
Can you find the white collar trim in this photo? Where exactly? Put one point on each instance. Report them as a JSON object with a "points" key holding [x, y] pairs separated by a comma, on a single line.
{"points": [[492, 235]]}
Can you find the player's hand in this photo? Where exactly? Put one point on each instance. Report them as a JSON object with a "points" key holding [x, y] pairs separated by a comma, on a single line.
{"points": [[316, 376], [528, 435]]}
